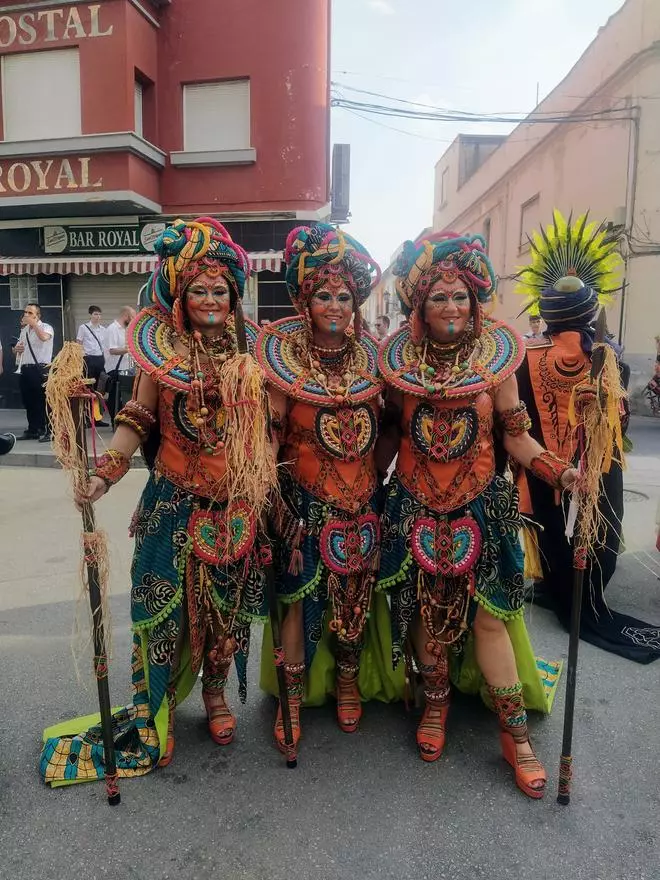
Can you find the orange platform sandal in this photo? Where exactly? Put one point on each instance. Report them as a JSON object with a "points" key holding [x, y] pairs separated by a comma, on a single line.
{"points": [[295, 685], [349, 704], [431, 730], [222, 724], [529, 773]]}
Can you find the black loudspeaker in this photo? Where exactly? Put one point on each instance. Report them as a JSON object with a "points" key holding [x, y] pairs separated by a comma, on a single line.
{"points": [[340, 183]]}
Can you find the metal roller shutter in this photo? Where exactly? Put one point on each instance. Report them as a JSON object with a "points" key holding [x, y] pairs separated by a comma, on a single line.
{"points": [[108, 292]]}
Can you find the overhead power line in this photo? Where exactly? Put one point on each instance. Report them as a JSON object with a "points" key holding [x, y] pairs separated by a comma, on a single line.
{"points": [[440, 114]]}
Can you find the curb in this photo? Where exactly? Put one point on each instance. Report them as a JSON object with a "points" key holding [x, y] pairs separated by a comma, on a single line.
{"points": [[48, 460]]}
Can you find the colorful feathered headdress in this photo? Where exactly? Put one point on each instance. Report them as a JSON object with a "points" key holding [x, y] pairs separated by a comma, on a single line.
{"points": [[443, 256], [185, 250], [321, 254], [564, 250]]}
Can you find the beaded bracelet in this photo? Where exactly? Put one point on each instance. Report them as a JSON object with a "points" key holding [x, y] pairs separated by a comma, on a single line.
{"points": [[136, 417], [515, 421], [111, 467], [549, 467]]}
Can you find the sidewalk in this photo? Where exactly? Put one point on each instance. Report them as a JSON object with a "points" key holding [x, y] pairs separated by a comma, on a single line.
{"points": [[31, 453]]}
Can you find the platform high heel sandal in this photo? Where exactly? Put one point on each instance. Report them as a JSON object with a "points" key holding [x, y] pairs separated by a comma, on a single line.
{"points": [[295, 675], [431, 730], [222, 724], [349, 704], [529, 773]]}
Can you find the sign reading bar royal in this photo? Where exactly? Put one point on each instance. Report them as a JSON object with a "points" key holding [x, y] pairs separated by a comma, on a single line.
{"points": [[53, 25], [101, 239]]}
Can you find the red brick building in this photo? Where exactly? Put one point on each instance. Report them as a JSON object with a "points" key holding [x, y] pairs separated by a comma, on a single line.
{"points": [[116, 116]]}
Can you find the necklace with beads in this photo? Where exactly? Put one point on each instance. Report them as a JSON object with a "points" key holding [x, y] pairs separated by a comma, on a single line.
{"points": [[333, 369], [441, 365], [217, 350]]}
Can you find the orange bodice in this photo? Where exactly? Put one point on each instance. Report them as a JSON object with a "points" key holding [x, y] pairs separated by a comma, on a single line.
{"points": [[554, 370], [330, 450], [446, 457], [180, 457]]}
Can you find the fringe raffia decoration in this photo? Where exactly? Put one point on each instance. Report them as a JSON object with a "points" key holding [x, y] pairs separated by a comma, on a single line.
{"points": [[65, 381], [251, 465], [601, 443], [532, 570]]}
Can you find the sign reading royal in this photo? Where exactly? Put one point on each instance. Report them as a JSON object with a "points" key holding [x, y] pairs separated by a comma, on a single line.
{"points": [[101, 239], [53, 26], [48, 175]]}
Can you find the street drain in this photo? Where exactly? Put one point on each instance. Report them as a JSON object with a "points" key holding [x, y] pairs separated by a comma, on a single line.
{"points": [[630, 495]]}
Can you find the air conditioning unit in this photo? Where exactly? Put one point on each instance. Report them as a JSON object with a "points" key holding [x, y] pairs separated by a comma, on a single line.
{"points": [[340, 189]]}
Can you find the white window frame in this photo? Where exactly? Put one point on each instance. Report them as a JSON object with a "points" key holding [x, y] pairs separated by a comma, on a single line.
{"points": [[444, 187], [15, 130], [23, 289], [138, 114], [523, 244], [202, 147]]}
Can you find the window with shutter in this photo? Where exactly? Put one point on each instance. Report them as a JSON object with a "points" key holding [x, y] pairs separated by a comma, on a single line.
{"points": [[54, 77], [216, 116], [23, 289]]}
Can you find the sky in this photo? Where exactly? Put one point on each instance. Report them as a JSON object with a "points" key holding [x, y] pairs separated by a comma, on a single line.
{"points": [[482, 56]]}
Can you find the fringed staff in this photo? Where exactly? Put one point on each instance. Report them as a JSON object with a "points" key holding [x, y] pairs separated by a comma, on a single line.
{"points": [[68, 396], [267, 562], [595, 411]]}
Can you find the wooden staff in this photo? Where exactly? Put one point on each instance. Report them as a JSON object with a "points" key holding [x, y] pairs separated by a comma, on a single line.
{"points": [[273, 605], [579, 566], [98, 631]]}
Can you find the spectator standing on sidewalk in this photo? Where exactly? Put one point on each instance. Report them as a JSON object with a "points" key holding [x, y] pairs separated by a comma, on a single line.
{"points": [[117, 359], [35, 349], [91, 336], [382, 326]]}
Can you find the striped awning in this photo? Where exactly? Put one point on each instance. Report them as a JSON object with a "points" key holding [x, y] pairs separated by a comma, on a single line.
{"points": [[262, 261]]}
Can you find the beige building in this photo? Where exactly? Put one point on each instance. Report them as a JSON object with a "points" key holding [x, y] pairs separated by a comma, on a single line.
{"points": [[598, 149]]}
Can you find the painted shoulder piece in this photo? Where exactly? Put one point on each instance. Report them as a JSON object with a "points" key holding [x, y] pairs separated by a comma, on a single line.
{"points": [[280, 351], [151, 339], [499, 353]]}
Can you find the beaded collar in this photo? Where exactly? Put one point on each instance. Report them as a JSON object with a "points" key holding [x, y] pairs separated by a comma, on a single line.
{"points": [[293, 366], [151, 340], [492, 358]]}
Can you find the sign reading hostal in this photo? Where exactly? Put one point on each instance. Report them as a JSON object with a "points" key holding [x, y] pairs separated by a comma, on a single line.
{"points": [[101, 239], [66, 23]]}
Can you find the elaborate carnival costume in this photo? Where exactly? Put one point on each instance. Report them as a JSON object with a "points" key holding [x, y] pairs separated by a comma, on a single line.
{"points": [[450, 529], [574, 270], [328, 524], [197, 581]]}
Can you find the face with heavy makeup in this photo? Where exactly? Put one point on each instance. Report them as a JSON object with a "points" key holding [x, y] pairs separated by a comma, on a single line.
{"points": [[331, 309], [446, 310], [207, 302]]}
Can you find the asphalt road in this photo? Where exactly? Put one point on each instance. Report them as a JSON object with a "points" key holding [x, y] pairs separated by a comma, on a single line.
{"points": [[356, 807]]}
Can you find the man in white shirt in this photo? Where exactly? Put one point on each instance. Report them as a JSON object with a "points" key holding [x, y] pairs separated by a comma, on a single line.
{"points": [[535, 334], [117, 359], [92, 338], [34, 351]]}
